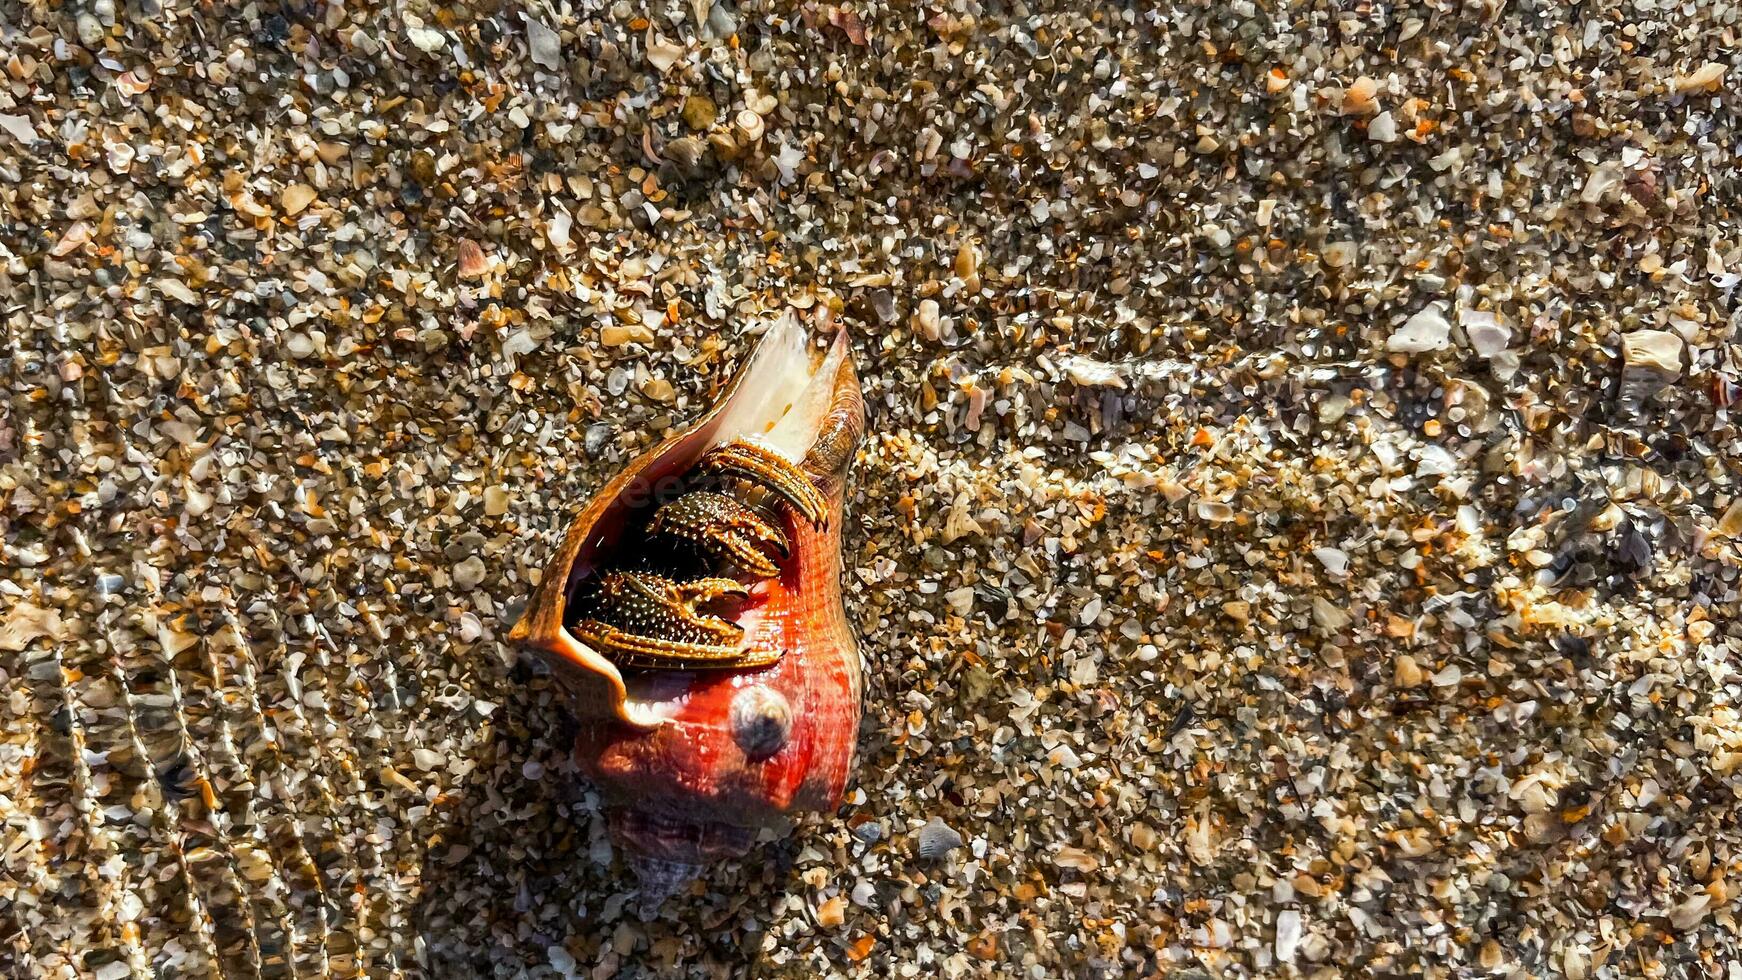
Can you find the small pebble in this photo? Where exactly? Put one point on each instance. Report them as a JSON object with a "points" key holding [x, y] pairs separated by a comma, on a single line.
{"points": [[469, 574]]}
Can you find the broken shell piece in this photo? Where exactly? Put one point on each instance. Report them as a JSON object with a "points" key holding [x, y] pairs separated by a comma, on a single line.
{"points": [[472, 263], [936, 839], [1709, 77]]}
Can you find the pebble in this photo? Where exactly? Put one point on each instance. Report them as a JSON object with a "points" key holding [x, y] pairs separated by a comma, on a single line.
{"points": [[543, 44], [1382, 128], [926, 321], [832, 912], [1488, 336], [1405, 672], [91, 31], [1092, 373], [1358, 98], [699, 112], [469, 573], [1335, 560], [426, 40], [18, 127], [296, 198], [1332, 408], [561, 960], [1288, 931]]}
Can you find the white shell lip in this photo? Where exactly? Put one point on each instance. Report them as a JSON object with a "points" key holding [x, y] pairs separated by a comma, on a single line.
{"points": [[785, 392]]}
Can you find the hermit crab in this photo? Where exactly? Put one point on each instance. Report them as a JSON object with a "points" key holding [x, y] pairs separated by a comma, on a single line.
{"points": [[693, 613]]}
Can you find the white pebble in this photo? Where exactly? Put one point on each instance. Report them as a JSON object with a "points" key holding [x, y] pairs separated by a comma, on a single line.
{"points": [[1434, 461], [1287, 934], [426, 40], [545, 46], [1383, 129], [1426, 331], [561, 961], [1092, 373], [468, 573], [1488, 336], [1335, 560]]}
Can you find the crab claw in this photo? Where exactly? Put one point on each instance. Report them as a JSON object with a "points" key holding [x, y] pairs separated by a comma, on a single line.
{"points": [[723, 528], [643, 619], [762, 465]]}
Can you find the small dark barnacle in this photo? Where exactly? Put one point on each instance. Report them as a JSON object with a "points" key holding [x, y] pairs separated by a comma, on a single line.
{"points": [[761, 721]]}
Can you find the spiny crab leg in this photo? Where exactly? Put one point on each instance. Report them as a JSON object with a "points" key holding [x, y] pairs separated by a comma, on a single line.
{"points": [[724, 528], [648, 620], [760, 464], [705, 590]]}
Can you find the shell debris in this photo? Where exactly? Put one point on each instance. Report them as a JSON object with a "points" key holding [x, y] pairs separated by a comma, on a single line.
{"points": [[935, 840]]}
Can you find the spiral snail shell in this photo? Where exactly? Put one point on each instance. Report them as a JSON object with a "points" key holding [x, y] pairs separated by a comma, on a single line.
{"points": [[693, 613]]}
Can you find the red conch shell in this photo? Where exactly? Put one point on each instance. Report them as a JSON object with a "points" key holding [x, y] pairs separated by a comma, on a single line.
{"points": [[702, 724]]}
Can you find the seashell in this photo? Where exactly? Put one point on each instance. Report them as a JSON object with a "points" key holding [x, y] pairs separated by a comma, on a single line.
{"points": [[761, 721], [936, 839], [750, 125], [657, 880], [472, 263], [134, 82], [693, 614], [662, 54]]}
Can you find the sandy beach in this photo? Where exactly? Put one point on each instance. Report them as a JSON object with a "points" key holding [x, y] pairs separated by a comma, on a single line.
{"points": [[1298, 533]]}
